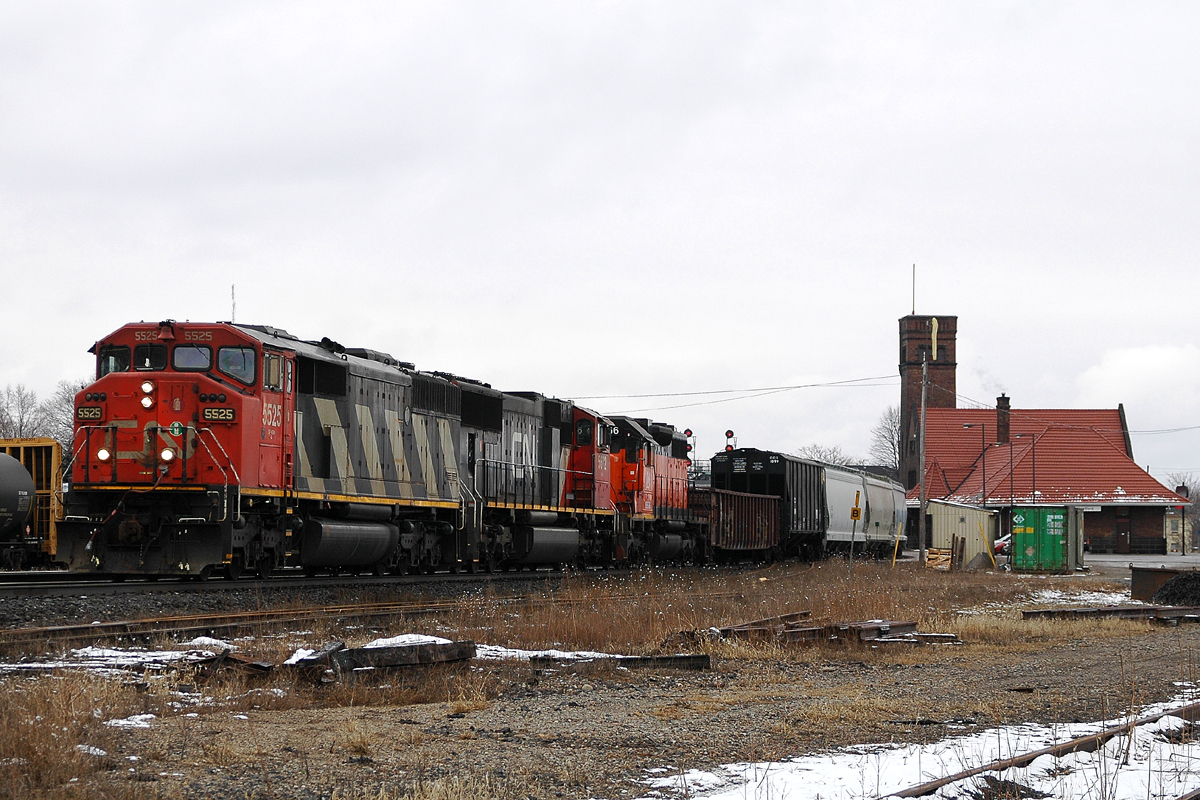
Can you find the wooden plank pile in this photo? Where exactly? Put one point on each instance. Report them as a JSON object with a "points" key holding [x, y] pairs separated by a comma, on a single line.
{"points": [[790, 628]]}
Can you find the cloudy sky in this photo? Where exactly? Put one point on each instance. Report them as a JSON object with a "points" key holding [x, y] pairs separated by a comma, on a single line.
{"points": [[615, 199]]}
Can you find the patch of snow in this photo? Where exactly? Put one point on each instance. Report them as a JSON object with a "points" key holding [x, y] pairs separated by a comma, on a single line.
{"points": [[493, 653], [209, 642], [136, 721], [91, 751], [240, 716], [407, 639], [295, 657], [1155, 767], [1060, 598]]}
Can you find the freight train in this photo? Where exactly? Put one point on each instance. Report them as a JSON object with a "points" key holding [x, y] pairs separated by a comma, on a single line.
{"points": [[207, 447]]}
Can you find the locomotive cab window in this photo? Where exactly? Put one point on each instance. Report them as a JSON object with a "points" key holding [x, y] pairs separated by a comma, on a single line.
{"points": [[237, 363], [112, 358], [150, 357], [272, 372], [191, 357], [583, 433]]}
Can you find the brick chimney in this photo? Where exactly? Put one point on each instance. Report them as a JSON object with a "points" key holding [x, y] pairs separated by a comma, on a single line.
{"points": [[1002, 419]]}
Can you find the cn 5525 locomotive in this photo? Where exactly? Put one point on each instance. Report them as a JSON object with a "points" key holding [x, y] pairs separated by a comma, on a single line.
{"points": [[241, 447]]}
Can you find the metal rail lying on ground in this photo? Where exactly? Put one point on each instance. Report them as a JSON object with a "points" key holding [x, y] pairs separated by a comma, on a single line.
{"points": [[1119, 612]]}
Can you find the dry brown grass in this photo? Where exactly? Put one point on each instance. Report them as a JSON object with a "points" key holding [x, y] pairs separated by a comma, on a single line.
{"points": [[43, 720], [46, 721]]}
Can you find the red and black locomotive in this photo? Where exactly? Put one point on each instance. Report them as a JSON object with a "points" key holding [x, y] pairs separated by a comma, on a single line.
{"points": [[217, 446]]}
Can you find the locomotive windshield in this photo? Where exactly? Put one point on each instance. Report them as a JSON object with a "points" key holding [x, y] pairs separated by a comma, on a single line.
{"points": [[112, 358], [237, 363], [189, 357], [150, 357]]}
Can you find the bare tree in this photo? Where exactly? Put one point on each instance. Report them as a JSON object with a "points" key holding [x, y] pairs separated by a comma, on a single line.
{"points": [[1191, 486], [885, 439], [828, 455], [58, 412], [20, 413]]}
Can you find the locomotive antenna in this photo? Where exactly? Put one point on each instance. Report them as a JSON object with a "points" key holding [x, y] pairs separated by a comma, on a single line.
{"points": [[233, 302]]}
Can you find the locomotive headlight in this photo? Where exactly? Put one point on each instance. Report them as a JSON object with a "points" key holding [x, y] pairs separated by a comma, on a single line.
{"points": [[167, 454], [147, 387], [103, 455], [147, 401]]}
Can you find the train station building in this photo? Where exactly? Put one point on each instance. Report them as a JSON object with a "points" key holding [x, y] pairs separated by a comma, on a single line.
{"points": [[1003, 458]]}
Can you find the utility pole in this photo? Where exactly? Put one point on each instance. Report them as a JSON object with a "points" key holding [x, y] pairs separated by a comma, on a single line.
{"points": [[921, 519]]}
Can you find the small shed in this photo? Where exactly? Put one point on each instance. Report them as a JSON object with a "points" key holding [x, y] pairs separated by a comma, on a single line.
{"points": [[975, 527]]}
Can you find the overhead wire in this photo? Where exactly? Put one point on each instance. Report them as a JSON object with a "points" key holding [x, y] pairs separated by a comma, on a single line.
{"points": [[742, 394]]}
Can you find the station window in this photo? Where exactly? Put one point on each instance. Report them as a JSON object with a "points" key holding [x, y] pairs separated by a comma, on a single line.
{"points": [[191, 357], [237, 363], [112, 358], [150, 357]]}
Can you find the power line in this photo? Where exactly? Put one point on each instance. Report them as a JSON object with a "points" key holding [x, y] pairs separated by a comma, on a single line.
{"points": [[753, 393], [739, 391]]}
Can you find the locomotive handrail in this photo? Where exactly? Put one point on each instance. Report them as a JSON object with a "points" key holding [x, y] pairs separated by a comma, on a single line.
{"points": [[476, 501], [224, 476], [524, 487], [64, 468]]}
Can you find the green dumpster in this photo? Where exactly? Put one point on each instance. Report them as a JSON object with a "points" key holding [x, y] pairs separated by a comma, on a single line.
{"points": [[1039, 539]]}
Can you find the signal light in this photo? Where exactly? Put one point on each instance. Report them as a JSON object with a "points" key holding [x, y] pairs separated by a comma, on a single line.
{"points": [[689, 447], [688, 433], [728, 434], [728, 448]]}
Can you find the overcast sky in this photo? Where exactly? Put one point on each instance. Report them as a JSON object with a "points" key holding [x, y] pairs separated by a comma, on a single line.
{"points": [[591, 200]]}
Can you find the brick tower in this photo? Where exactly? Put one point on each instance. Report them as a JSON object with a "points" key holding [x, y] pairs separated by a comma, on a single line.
{"points": [[916, 345]]}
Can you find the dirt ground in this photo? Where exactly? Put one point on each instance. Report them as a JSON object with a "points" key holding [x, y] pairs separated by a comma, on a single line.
{"points": [[568, 734]]}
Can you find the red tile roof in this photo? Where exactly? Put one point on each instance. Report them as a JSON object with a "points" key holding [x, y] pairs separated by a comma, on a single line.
{"points": [[1064, 455]]}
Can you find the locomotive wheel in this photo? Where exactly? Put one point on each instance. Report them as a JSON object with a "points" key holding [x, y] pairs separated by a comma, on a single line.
{"points": [[233, 570], [472, 567], [265, 566]]}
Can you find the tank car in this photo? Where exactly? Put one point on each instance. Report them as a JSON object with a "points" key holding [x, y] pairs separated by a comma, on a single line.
{"points": [[30, 467]]}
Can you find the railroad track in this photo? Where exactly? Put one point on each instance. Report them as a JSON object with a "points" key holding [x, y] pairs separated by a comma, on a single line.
{"points": [[15, 641], [65, 584]]}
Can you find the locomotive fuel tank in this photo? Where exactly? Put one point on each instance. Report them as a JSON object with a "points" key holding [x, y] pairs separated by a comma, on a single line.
{"points": [[544, 545], [16, 496], [338, 543]]}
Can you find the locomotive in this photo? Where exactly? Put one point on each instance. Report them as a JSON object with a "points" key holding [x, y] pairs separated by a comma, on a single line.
{"points": [[206, 447], [231, 447]]}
